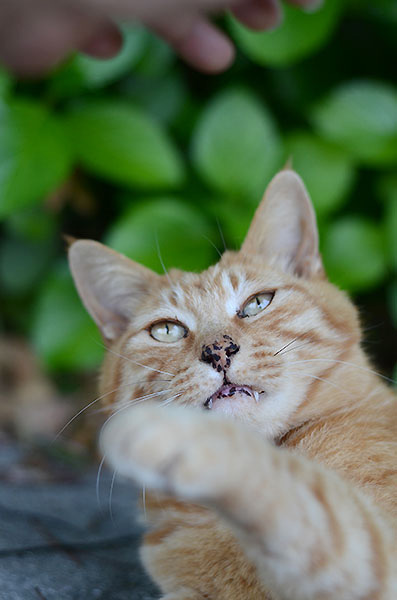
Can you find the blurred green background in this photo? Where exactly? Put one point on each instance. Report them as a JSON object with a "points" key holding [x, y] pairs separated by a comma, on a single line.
{"points": [[141, 150]]}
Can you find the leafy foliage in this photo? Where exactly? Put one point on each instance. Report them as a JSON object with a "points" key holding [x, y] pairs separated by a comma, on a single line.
{"points": [[362, 117], [162, 163], [34, 154], [64, 342], [236, 147], [327, 170], [119, 142], [300, 34], [82, 73], [163, 231], [354, 253]]}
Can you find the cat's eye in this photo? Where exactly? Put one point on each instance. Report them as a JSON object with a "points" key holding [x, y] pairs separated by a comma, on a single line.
{"points": [[255, 304], [167, 331]]}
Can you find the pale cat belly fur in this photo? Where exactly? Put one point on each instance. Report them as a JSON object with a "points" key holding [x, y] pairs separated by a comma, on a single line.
{"points": [[273, 472]]}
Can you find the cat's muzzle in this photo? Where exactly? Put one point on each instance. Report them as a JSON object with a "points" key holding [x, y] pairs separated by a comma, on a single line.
{"points": [[230, 389]]}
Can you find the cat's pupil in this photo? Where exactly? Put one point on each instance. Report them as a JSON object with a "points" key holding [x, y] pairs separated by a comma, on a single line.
{"points": [[256, 304], [167, 331]]}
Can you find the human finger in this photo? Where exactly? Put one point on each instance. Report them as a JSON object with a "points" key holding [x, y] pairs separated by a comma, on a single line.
{"points": [[104, 42], [36, 39], [198, 42], [258, 14]]}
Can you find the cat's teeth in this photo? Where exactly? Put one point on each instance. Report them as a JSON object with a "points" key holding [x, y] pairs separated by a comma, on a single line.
{"points": [[256, 396], [209, 403]]}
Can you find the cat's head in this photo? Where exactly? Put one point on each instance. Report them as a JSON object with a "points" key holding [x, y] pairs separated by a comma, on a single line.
{"points": [[256, 336]]}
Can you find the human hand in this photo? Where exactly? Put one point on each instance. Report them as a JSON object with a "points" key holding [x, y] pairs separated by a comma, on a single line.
{"points": [[35, 36]]}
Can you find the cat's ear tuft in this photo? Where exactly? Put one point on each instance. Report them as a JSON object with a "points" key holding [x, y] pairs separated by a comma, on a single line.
{"points": [[284, 231], [110, 285]]}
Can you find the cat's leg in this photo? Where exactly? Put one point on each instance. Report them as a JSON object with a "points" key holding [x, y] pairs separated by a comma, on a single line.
{"points": [[192, 554], [311, 535]]}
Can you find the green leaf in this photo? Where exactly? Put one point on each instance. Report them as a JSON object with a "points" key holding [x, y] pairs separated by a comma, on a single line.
{"points": [[84, 72], [164, 229], [34, 224], [388, 192], [236, 147], [34, 155], [383, 10], [22, 263], [63, 334], [122, 143], [354, 255], [5, 83], [300, 34], [361, 116], [327, 170], [157, 59], [168, 101]]}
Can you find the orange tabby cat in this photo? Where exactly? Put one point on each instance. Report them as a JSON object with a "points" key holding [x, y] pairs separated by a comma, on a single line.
{"points": [[277, 479]]}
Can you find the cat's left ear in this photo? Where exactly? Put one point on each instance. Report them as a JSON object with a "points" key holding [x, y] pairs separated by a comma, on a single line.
{"points": [[110, 285], [284, 231]]}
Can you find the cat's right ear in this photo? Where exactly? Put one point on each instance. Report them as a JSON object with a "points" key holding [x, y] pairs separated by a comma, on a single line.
{"points": [[284, 231], [109, 284]]}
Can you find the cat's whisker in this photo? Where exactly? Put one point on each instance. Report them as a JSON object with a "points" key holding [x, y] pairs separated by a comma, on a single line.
{"points": [[104, 457], [98, 477], [342, 362], [286, 346], [138, 363], [298, 337], [132, 361], [88, 406], [221, 234], [111, 495], [133, 403], [137, 401], [126, 403], [212, 244], [162, 262], [338, 387], [371, 327], [296, 347], [166, 402]]}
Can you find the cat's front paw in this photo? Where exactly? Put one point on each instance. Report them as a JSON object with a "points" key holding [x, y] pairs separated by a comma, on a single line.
{"points": [[175, 450]]}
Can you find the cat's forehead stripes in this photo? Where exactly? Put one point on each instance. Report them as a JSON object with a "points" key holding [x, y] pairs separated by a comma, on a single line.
{"points": [[189, 291], [193, 298]]}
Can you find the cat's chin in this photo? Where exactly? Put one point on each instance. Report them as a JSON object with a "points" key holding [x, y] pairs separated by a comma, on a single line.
{"points": [[232, 399]]}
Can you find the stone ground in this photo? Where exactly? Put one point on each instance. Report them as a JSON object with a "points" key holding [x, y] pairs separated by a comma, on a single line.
{"points": [[57, 543]]}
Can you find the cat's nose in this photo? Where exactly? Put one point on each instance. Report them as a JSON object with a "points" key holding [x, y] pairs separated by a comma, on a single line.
{"points": [[219, 354]]}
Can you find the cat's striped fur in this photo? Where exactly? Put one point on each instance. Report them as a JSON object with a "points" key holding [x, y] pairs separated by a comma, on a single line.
{"points": [[290, 497]]}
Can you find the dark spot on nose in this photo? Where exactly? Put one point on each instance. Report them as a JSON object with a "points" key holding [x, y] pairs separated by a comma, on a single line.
{"points": [[232, 349], [218, 354]]}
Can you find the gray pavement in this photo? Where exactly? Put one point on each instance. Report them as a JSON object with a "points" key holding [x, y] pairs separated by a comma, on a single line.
{"points": [[57, 543]]}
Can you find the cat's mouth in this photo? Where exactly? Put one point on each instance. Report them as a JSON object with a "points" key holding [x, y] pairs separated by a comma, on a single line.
{"points": [[228, 390]]}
